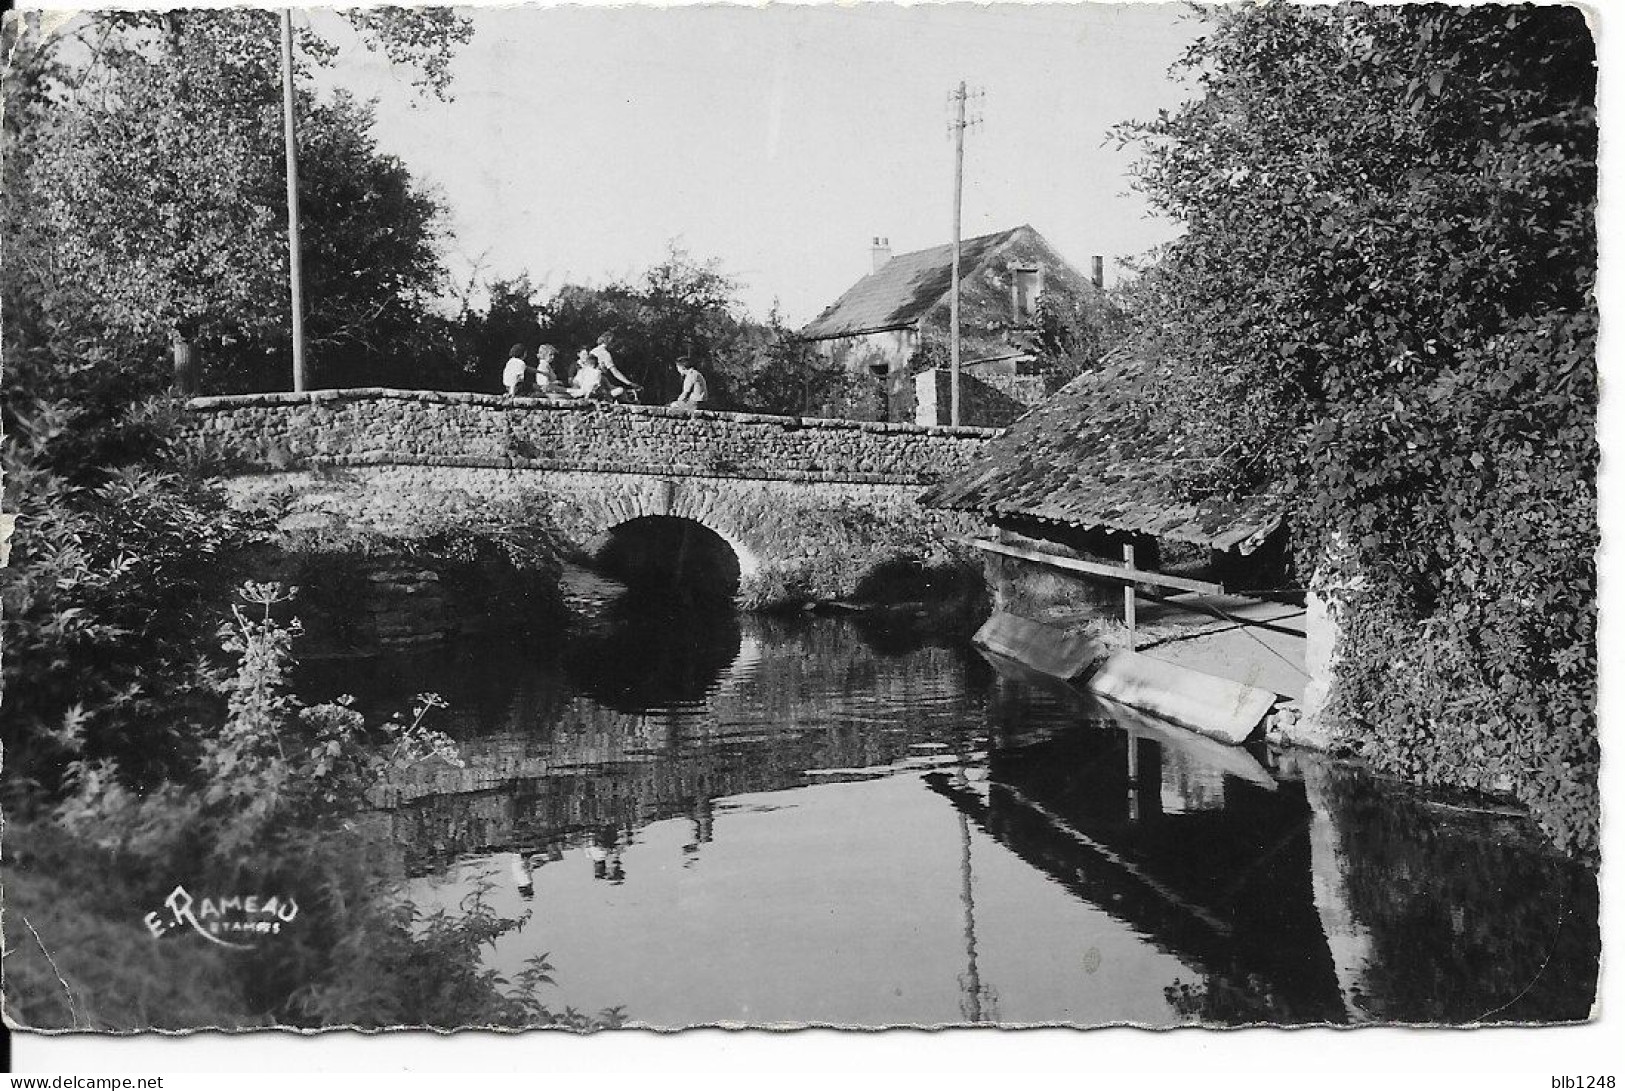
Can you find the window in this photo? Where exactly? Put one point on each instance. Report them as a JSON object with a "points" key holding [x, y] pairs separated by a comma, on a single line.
{"points": [[1026, 282]]}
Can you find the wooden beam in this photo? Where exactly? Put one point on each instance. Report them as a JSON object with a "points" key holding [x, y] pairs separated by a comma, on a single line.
{"points": [[1098, 568], [1128, 592]]}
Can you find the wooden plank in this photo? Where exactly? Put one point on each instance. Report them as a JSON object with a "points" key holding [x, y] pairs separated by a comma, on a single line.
{"points": [[1217, 707], [1096, 568], [1044, 648], [1267, 624]]}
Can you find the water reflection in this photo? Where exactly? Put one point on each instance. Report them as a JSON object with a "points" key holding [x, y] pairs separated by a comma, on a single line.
{"points": [[760, 819], [659, 654]]}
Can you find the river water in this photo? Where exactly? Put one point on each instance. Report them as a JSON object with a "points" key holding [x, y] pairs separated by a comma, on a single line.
{"points": [[708, 818]]}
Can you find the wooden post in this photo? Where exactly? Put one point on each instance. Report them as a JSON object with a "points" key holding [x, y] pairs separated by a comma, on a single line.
{"points": [[1133, 776], [953, 296], [1128, 593], [290, 140]]}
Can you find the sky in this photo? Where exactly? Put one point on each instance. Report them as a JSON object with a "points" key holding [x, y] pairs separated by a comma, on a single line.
{"points": [[580, 142]]}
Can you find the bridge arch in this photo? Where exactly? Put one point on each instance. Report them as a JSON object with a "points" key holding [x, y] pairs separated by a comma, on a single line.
{"points": [[602, 507], [670, 555]]}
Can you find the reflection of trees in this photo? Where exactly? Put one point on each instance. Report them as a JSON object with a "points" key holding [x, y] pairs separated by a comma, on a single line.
{"points": [[1470, 917]]}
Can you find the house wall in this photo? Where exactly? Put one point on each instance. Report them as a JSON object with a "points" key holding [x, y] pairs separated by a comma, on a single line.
{"points": [[988, 324], [881, 366], [1024, 390], [982, 404], [876, 366]]}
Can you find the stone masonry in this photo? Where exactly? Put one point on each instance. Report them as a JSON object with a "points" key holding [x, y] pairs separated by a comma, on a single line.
{"points": [[782, 491]]}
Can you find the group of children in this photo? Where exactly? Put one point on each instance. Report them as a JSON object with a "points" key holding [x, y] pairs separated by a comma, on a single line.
{"points": [[596, 376]]}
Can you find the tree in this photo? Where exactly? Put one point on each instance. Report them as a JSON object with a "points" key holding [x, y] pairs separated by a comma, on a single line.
{"points": [[780, 373], [1382, 307], [1073, 339], [141, 188], [144, 192]]}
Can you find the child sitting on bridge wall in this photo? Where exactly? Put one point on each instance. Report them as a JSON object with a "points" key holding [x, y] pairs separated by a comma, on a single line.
{"points": [[588, 377], [694, 391], [620, 384], [547, 383], [513, 372]]}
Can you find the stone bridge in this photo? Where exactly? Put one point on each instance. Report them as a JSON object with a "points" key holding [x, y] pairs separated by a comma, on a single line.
{"points": [[805, 504]]}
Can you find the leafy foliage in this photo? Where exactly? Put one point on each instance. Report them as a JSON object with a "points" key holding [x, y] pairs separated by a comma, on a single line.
{"points": [[1072, 339], [117, 562], [144, 193], [874, 559], [273, 804], [414, 969], [1383, 308]]}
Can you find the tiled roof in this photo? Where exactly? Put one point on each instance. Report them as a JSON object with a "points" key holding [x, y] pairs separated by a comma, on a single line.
{"points": [[903, 289], [1087, 458]]}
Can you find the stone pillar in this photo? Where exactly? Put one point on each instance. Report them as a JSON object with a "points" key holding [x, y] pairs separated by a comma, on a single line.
{"points": [[185, 360], [926, 408], [1329, 590]]}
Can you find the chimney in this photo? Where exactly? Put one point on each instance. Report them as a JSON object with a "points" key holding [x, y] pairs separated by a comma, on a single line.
{"points": [[880, 251], [1098, 270]]}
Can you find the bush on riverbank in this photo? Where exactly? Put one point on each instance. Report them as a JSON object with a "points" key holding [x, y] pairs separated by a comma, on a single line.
{"points": [[1382, 308], [272, 809], [119, 567], [365, 587]]}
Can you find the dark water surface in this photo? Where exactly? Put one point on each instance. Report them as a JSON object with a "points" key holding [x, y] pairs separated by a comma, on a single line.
{"points": [[714, 818]]}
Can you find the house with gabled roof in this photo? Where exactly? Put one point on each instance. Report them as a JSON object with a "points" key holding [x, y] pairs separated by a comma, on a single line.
{"points": [[889, 331]]}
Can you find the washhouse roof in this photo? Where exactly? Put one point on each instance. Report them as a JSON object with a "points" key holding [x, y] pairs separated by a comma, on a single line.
{"points": [[1087, 458]]}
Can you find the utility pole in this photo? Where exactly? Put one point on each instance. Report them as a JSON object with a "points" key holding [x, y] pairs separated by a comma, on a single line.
{"points": [[953, 297], [290, 142]]}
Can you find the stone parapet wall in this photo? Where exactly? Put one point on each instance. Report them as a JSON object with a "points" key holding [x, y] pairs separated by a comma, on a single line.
{"points": [[377, 427], [981, 399]]}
